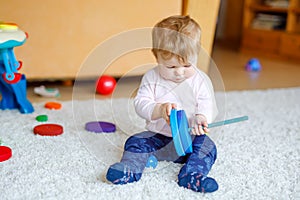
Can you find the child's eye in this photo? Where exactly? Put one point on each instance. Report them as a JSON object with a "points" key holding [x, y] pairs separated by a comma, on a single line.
{"points": [[171, 67], [187, 66]]}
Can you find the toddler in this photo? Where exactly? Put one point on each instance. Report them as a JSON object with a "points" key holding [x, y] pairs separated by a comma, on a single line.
{"points": [[177, 83]]}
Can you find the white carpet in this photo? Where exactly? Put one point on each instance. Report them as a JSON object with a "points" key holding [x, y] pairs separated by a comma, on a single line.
{"points": [[257, 159]]}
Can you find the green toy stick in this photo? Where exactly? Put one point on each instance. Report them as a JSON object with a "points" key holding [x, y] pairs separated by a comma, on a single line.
{"points": [[181, 133], [228, 121]]}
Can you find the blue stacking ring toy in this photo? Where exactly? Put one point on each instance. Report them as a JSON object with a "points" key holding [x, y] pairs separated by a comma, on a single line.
{"points": [[181, 131]]}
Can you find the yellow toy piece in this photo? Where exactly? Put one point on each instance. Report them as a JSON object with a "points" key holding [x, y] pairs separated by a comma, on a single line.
{"points": [[8, 26]]}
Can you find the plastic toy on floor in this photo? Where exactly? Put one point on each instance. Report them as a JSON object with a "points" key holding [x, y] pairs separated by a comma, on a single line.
{"points": [[12, 83], [53, 105], [105, 85], [46, 92], [48, 129], [100, 127], [253, 65], [5, 152]]}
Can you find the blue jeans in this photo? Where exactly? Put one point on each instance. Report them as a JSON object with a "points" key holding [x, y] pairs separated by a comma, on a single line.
{"points": [[139, 147]]}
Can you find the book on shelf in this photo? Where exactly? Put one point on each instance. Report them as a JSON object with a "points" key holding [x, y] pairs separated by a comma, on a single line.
{"points": [[269, 22], [277, 3]]}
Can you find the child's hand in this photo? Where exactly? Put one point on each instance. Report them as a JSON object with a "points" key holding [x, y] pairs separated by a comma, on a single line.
{"points": [[165, 111], [199, 125]]}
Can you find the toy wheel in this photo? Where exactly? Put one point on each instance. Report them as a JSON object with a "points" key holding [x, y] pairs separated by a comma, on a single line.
{"points": [[11, 78]]}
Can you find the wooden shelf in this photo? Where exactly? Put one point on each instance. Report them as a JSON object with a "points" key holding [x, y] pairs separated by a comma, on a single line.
{"points": [[295, 10], [263, 8], [263, 31], [283, 43]]}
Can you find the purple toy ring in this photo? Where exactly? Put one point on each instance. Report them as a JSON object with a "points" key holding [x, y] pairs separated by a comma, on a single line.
{"points": [[100, 126]]}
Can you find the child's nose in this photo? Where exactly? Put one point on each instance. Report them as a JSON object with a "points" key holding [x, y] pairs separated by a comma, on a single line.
{"points": [[179, 71]]}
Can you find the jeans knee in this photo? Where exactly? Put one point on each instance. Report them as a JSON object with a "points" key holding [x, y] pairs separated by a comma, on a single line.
{"points": [[139, 144], [204, 145], [132, 143]]}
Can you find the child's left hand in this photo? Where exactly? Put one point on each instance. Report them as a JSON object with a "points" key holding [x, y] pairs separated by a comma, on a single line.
{"points": [[200, 125]]}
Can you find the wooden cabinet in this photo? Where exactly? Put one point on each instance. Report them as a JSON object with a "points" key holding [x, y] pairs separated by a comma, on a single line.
{"points": [[272, 29], [64, 34], [261, 40], [290, 45]]}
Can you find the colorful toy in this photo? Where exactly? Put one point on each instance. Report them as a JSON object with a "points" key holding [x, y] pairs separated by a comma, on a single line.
{"points": [[5, 153], [253, 65], [53, 105], [152, 162], [46, 92], [99, 127], [48, 129], [8, 26], [181, 132], [42, 118], [12, 83], [228, 121], [105, 85]]}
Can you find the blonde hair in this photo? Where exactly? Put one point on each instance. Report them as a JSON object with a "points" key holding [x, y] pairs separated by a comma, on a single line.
{"points": [[176, 36]]}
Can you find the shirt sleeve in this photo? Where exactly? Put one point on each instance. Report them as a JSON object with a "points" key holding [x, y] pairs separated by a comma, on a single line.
{"points": [[144, 101]]}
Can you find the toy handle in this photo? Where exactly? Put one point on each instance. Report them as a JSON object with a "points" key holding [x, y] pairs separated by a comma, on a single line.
{"points": [[228, 121]]}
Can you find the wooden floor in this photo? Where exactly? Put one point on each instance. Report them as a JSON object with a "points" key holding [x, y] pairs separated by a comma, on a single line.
{"points": [[275, 73], [231, 75]]}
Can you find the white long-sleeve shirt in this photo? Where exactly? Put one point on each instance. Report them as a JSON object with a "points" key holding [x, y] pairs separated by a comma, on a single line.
{"points": [[195, 95]]}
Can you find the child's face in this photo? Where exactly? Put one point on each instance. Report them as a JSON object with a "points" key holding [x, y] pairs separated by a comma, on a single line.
{"points": [[175, 71]]}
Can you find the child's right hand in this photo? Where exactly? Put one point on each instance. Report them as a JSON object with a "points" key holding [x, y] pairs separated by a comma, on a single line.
{"points": [[165, 111], [200, 125]]}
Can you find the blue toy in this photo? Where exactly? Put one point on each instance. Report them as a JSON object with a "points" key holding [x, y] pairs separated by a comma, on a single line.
{"points": [[152, 162], [181, 132], [253, 65], [12, 83]]}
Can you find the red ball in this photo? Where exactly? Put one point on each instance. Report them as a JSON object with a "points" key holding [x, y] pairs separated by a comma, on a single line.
{"points": [[105, 84]]}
